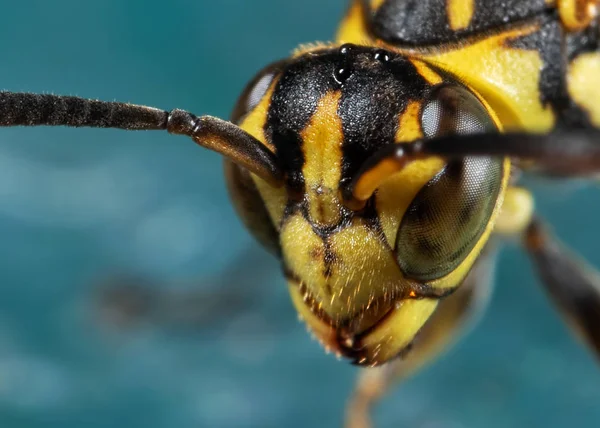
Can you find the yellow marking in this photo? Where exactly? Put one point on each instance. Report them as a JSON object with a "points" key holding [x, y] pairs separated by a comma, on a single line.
{"points": [[516, 213], [299, 244], [397, 330], [409, 124], [490, 111], [507, 78], [426, 72], [254, 123], [322, 147], [460, 13], [576, 15], [396, 194], [583, 82], [364, 270], [409, 130], [275, 199], [371, 179], [455, 278], [446, 325], [353, 28]]}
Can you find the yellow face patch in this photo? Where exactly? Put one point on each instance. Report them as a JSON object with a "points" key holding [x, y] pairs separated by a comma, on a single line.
{"points": [[346, 275], [322, 147]]}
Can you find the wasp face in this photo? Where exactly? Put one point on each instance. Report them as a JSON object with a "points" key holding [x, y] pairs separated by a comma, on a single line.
{"points": [[366, 280]]}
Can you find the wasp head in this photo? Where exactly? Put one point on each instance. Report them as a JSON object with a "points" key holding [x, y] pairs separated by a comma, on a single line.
{"points": [[367, 251]]}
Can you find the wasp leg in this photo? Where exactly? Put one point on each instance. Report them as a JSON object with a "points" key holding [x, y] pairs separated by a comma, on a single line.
{"points": [[572, 284], [517, 212], [450, 321]]}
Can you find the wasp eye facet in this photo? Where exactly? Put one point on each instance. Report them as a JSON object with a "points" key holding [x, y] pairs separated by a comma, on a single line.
{"points": [[453, 109], [448, 216]]}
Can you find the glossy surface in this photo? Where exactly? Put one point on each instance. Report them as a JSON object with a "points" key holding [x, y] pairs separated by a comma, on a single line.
{"points": [[76, 205]]}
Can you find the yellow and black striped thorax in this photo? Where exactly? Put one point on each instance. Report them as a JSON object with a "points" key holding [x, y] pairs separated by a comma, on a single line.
{"points": [[537, 62]]}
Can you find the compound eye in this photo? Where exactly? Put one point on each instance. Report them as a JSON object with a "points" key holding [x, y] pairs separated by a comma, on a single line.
{"points": [[450, 213], [453, 109], [255, 91]]}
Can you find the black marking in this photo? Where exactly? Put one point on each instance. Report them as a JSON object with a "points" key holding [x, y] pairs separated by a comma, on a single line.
{"points": [[330, 259], [556, 48], [371, 103], [548, 41], [425, 22], [577, 44], [584, 41], [294, 102]]}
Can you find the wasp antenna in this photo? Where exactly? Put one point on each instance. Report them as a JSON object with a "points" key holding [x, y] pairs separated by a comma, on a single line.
{"points": [[564, 153], [378, 168], [572, 153], [25, 109], [230, 140]]}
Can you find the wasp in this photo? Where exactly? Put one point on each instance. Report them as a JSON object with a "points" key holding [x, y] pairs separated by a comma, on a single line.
{"points": [[380, 168]]}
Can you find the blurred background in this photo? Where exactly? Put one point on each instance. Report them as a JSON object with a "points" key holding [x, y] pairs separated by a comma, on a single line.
{"points": [[130, 295]]}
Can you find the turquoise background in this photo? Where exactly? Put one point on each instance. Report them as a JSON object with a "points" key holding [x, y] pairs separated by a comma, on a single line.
{"points": [[78, 206]]}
